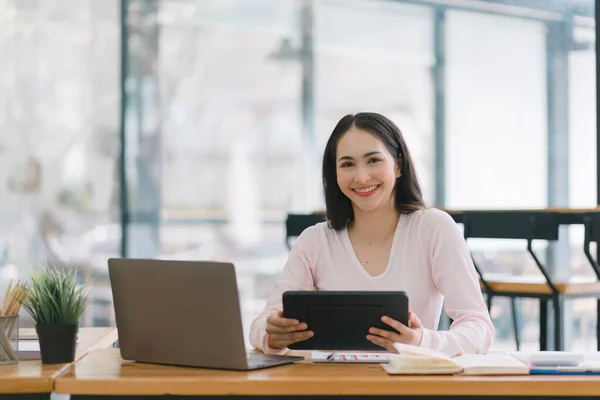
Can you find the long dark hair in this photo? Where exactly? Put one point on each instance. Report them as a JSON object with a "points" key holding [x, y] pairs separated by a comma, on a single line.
{"points": [[407, 191]]}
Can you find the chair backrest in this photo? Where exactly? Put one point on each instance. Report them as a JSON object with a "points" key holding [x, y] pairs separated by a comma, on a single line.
{"points": [[515, 224], [295, 224], [591, 222], [592, 225]]}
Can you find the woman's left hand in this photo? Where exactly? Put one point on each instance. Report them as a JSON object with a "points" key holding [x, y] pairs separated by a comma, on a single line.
{"points": [[410, 334]]}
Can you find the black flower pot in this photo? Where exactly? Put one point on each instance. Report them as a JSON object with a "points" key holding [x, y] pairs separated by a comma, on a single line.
{"points": [[57, 342]]}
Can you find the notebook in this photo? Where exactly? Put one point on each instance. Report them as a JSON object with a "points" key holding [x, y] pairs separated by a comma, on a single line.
{"points": [[412, 360]]}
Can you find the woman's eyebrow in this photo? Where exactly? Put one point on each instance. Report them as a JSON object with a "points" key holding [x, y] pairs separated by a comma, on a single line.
{"points": [[365, 155]]}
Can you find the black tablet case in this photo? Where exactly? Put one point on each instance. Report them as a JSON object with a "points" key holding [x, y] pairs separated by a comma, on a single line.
{"points": [[341, 320]]}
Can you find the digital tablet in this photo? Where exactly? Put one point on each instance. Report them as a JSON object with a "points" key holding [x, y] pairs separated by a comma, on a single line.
{"points": [[340, 320]]}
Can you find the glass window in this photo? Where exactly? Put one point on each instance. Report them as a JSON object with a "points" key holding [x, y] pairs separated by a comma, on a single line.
{"points": [[582, 121], [377, 56], [495, 112], [521, 134], [59, 141], [214, 133]]}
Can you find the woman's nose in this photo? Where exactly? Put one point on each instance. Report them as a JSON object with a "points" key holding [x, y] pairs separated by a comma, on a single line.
{"points": [[361, 175]]}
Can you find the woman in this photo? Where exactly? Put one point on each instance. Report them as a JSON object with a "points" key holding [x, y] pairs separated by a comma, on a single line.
{"points": [[379, 236]]}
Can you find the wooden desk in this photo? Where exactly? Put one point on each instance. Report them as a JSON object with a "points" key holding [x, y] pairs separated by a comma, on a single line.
{"points": [[103, 374], [32, 380]]}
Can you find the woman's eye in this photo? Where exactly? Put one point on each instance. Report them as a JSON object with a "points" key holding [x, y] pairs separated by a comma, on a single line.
{"points": [[374, 160], [346, 165]]}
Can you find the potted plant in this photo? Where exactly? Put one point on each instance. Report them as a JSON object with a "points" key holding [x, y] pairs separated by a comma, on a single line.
{"points": [[56, 302]]}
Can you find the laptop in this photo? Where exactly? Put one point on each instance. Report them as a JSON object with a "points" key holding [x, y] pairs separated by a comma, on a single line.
{"points": [[182, 313]]}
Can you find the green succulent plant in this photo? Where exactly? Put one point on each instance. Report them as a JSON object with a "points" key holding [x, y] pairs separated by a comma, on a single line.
{"points": [[54, 297]]}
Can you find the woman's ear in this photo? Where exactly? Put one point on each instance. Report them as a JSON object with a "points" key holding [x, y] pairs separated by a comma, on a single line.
{"points": [[398, 169]]}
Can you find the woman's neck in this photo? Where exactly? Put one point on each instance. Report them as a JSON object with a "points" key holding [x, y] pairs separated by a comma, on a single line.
{"points": [[377, 226]]}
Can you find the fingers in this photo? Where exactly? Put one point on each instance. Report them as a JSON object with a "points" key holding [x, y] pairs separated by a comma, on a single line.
{"points": [[413, 320], [284, 331], [382, 342], [281, 340], [403, 334], [276, 324], [389, 335], [277, 319], [398, 326], [393, 336], [271, 328], [292, 337]]}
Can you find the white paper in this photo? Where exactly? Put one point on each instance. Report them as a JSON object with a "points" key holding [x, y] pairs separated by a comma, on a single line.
{"points": [[29, 345]]}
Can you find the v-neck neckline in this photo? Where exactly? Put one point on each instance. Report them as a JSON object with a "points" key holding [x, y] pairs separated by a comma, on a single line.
{"points": [[358, 264]]}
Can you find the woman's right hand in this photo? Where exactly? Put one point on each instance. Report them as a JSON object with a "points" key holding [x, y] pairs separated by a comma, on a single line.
{"points": [[282, 332]]}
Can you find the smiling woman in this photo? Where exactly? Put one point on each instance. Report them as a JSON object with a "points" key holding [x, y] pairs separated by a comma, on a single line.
{"points": [[379, 236], [364, 156]]}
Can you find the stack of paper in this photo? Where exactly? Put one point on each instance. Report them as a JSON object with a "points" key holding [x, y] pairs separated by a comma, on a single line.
{"points": [[548, 358], [29, 350], [560, 362]]}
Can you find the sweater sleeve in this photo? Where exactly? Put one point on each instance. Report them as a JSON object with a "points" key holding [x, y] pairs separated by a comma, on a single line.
{"points": [[297, 275], [454, 275]]}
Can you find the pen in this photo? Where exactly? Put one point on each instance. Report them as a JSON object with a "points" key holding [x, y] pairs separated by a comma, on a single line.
{"points": [[330, 356], [549, 371]]}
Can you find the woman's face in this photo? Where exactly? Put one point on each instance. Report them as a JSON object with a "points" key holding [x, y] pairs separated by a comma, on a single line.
{"points": [[366, 171]]}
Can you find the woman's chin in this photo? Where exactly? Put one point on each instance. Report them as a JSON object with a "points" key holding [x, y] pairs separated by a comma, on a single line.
{"points": [[367, 207]]}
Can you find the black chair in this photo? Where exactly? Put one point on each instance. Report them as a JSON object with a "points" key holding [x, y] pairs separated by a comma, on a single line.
{"points": [[591, 223], [529, 226], [295, 224]]}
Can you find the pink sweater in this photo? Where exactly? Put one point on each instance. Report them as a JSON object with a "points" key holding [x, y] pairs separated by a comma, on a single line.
{"points": [[429, 260]]}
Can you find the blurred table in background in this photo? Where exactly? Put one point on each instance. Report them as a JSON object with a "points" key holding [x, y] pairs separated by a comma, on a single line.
{"points": [[568, 216]]}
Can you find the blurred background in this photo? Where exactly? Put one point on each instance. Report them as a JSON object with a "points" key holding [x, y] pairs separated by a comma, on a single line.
{"points": [[226, 108]]}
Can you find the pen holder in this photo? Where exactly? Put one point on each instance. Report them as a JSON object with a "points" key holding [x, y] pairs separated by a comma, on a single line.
{"points": [[9, 339]]}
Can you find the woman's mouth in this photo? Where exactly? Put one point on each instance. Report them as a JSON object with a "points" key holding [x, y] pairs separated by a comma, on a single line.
{"points": [[366, 190]]}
